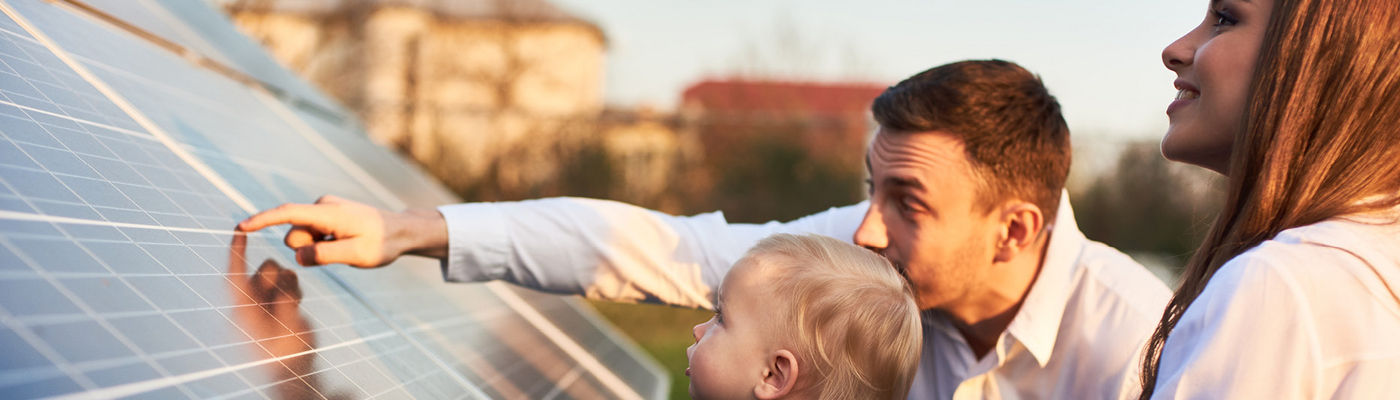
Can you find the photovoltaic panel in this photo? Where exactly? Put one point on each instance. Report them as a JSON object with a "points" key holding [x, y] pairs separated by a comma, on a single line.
{"points": [[107, 282], [236, 130], [404, 179], [202, 30], [119, 273], [246, 56], [202, 120]]}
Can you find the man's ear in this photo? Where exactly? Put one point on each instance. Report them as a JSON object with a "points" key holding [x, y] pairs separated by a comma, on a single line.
{"points": [[779, 377], [1022, 225]]}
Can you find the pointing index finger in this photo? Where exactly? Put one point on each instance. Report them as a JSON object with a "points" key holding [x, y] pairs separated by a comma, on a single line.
{"points": [[316, 216]]}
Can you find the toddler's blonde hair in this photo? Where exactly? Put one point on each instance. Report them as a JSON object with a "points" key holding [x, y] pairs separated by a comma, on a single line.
{"points": [[853, 321]]}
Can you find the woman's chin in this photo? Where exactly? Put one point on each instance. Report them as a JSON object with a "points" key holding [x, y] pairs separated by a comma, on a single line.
{"points": [[1214, 156]]}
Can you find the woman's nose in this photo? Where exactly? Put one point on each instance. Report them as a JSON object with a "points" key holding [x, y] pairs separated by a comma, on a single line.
{"points": [[1181, 52]]}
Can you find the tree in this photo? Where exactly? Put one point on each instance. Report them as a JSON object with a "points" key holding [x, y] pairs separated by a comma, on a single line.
{"points": [[1149, 205]]}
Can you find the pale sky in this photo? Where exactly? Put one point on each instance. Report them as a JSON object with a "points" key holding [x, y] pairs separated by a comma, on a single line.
{"points": [[1101, 58]]}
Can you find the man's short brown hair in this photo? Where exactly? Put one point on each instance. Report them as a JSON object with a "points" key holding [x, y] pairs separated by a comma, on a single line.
{"points": [[1011, 127]]}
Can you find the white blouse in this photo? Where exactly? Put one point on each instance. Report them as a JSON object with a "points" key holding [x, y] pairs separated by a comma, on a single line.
{"points": [[1313, 313]]}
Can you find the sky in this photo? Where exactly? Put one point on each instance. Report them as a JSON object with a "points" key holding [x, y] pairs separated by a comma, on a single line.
{"points": [[1101, 58]]}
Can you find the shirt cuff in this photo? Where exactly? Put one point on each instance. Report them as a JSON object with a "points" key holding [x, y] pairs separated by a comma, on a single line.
{"points": [[478, 242]]}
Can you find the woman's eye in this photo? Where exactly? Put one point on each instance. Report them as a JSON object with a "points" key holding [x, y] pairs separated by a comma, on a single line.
{"points": [[1223, 19]]}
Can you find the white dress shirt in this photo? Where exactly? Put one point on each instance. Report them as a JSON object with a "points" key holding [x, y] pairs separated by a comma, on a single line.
{"points": [[1078, 335], [1312, 313]]}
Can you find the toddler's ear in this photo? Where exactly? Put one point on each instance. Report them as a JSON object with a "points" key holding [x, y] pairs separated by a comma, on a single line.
{"points": [[779, 376]]}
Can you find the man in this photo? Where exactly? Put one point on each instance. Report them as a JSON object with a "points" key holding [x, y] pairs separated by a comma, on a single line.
{"points": [[966, 200]]}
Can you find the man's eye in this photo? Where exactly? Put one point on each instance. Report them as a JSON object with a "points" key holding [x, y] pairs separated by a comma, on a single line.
{"points": [[907, 206]]}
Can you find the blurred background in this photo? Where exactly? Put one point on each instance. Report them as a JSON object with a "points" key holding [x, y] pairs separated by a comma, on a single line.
{"points": [[757, 108]]}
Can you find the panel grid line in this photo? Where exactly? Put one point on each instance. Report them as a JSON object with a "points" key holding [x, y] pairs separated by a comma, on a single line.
{"points": [[78, 120], [146, 386], [93, 314], [131, 111], [82, 305], [380, 194], [87, 309], [149, 359], [325, 327]]}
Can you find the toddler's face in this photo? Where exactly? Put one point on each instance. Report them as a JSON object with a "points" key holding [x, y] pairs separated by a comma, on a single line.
{"points": [[728, 358]]}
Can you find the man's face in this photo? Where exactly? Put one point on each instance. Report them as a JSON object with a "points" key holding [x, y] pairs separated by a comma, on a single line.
{"points": [[925, 216]]}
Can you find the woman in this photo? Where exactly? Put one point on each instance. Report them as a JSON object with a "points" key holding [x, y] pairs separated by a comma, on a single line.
{"points": [[1296, 291]]}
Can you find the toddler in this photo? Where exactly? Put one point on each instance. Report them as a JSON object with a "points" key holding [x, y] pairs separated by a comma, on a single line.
{"points": [[807, 317]]}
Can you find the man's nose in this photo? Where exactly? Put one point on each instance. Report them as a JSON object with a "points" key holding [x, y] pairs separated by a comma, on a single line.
{"points": [[871, 233]]}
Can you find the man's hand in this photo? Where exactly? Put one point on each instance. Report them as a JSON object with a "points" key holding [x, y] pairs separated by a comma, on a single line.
{"points": [[335, 230]]}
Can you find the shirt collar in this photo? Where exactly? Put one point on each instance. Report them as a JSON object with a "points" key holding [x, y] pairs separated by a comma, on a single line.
{"points": [[1037, 323]]}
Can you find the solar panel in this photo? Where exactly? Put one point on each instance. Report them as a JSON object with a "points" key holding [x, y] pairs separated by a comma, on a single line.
{"points": [[124, 164], [203, 31]]}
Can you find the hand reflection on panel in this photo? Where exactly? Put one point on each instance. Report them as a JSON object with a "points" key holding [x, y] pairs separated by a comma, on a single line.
{"points": [[267, 307]]}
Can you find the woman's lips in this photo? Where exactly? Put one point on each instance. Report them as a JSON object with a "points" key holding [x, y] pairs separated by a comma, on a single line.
{"points": [[1183, 98], [1179, 103], [1185, 94]]}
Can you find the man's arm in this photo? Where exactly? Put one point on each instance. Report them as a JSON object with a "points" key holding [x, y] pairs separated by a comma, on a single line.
{"points": [[601, 249]]}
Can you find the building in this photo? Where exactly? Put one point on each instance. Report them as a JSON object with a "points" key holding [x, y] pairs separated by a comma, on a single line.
{"points": [[654, 160], [780, 150], [830, 120], [469, 88]]}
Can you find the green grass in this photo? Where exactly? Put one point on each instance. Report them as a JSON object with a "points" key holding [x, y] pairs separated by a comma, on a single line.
{"points": [[662, 331]]}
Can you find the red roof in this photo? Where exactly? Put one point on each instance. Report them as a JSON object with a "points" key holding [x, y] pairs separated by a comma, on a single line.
{"points": [[821, 99]]}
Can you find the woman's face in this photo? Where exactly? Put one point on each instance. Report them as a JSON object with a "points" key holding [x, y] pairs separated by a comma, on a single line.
{"points": [[1213, 64]]}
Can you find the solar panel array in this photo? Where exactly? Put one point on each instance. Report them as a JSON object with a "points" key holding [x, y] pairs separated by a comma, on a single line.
{"points": [[134, 135]]}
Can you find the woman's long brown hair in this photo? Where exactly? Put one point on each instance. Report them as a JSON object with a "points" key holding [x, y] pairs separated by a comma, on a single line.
{"points": [[1321, 134]]}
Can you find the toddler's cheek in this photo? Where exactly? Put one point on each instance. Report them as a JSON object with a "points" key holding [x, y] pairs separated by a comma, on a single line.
{"points": [[702, 385]]}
